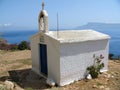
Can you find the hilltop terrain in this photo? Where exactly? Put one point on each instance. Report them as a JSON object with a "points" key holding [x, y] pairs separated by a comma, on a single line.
{"points": [[16, 67]]}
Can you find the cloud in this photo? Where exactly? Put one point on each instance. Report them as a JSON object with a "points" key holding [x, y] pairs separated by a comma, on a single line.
{"points": [[5, 25], [8, 24]]}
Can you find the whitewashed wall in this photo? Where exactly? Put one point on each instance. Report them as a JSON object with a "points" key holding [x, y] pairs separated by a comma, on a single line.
{"points": [[53, 56], [53, 47], [76, 57], [35, 53]]}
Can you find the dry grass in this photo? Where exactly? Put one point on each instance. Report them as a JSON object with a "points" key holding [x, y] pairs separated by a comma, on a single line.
{"points": [[17, 65], [14, 60]]}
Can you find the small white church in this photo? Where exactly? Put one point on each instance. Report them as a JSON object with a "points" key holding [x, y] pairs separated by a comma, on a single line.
{"points": [[64, 58]]}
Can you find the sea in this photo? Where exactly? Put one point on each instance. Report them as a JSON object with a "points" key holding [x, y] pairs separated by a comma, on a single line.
{"points": [[15, 37]]}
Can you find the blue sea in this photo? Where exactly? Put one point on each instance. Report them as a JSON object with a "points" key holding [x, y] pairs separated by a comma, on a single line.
{"points": [[15, 37]]}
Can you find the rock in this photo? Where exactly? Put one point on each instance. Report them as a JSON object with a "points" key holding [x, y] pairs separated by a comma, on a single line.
{"points": [[101, 87], [107, 79], [101, 72], [19, 88], [112, 76], [105, 76], [108, 76], [50, 82], [3, 87], [116, 73], [94, 86], [107, 88], [10, 85], [89, 76]]}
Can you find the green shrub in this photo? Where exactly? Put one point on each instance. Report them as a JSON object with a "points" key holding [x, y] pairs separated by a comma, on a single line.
{"points": [[111, 56], [23, 45], [94, 70]]}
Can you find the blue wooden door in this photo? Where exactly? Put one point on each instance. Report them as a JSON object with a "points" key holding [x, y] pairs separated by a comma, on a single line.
{"points": [[43, 59]]}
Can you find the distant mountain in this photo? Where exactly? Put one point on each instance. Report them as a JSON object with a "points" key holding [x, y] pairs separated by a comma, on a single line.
{"points": [[112, 29], [100, 26]]}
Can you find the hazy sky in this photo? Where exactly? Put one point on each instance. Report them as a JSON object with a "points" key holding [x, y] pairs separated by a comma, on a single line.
{"points": [[23, 14]]}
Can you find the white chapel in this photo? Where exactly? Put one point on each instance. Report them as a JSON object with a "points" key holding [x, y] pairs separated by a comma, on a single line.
{"points": [[64, 59]]}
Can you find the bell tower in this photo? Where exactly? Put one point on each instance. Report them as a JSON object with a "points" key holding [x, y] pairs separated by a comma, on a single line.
{"points": [[43, 20]]}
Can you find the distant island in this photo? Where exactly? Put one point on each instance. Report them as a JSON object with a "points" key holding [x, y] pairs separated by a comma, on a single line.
{"points": [[100, 26]]}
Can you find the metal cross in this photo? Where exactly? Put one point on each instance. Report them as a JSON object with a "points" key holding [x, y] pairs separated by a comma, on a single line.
{"points": [[43, 5]]}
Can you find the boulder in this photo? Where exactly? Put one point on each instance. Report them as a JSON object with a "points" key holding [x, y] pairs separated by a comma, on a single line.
{"points": [[89, 76], [101, 87], [50, 82], [107, 88], [3, 87], [10, 85], [95, 86]]}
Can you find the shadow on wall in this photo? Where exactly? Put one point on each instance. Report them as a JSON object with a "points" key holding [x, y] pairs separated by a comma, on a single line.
{"points": [[83, 47], [26, 79]]}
